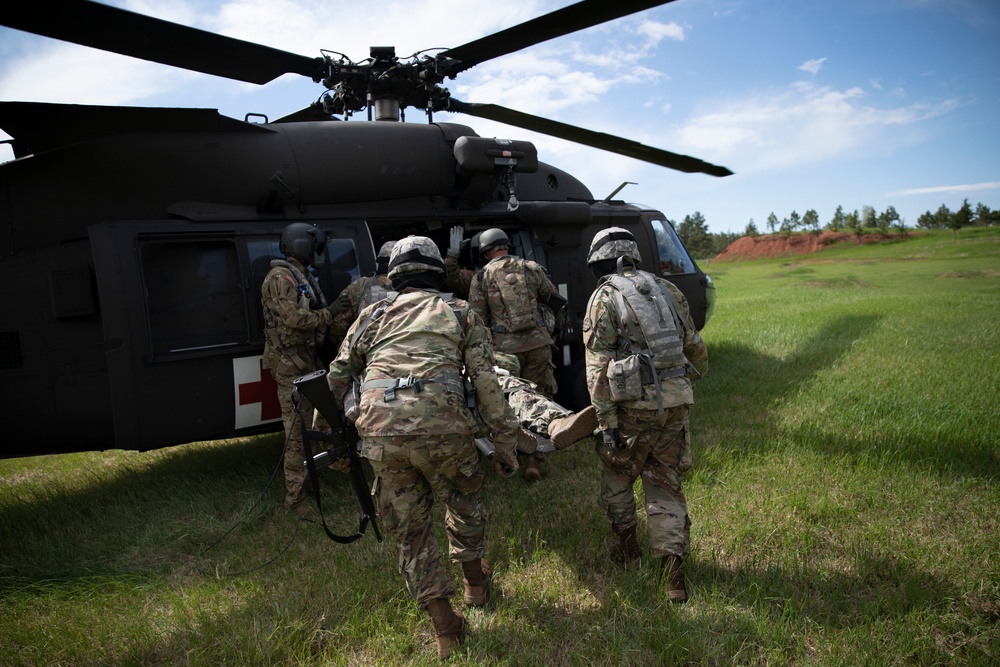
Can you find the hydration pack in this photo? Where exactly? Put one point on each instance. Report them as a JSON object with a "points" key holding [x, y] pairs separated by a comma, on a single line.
{"points": [[650, 336]]}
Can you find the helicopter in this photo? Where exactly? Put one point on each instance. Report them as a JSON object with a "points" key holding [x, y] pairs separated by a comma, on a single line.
{"points": [[134, 240]]}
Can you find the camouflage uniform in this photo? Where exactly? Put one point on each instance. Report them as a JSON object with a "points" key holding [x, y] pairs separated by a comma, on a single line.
{"points": [[361, 293], [420, 442], [296, 323], [658, 445], [458, 279], [531, 346]]}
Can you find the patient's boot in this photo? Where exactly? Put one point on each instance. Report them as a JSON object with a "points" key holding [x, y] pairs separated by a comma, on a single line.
{"points": [[564, 431]]}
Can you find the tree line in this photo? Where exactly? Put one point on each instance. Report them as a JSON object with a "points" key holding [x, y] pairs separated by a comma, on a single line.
{"points": [[700, 242]]}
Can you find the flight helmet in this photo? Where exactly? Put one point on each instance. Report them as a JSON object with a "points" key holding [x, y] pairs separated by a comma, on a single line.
{"points": [[305, 242]]}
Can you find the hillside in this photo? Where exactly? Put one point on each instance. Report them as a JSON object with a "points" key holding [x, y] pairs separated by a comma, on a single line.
{"points": [[777, 245]]}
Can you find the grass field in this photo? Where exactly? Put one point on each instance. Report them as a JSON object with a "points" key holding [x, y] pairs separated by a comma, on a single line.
{"points": [[845, 502]]}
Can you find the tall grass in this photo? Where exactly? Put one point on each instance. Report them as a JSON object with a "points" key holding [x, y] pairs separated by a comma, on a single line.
{"points": [[845, 504]]}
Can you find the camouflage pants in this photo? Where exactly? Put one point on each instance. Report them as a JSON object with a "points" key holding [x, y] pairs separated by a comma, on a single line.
{"points": [[533, 410], [537, 367], [660, 452], [296, 474], [412, 471]]}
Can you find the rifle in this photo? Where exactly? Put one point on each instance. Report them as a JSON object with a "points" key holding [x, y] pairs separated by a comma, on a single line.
{"points": [[315, 388]]}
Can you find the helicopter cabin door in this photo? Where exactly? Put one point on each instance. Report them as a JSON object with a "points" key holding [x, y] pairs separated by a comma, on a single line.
{"points": [[180, 307]]}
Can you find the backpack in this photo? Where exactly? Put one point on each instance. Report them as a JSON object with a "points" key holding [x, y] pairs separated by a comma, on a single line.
{"points": [[513, 307], [651, 347]]}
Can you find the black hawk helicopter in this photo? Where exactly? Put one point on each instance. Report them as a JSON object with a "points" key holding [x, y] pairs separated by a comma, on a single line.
{"points": [[133, 241]]}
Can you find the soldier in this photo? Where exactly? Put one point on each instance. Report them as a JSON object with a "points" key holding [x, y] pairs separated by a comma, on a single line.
{"points": [[642, 349], [507, 293], [363, 292], [296, 320], [408, 354]]}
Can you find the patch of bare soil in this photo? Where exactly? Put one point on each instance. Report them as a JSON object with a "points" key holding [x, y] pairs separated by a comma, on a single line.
{"points": [[778, 245]]}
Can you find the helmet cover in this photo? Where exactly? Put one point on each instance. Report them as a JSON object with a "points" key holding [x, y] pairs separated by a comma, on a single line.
{"points": [[415, 253], [612, 243]]}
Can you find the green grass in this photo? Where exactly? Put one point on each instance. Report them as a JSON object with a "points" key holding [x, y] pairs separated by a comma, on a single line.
{"points": [[845, 504]]}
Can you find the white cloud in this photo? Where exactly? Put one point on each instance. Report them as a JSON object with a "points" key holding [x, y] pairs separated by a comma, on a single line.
{"points": [[812, 66], [658, 31], [802, 123], [948, 189]]}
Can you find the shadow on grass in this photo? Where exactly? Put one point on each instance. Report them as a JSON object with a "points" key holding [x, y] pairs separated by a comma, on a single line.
{"points": [[172, 504]]}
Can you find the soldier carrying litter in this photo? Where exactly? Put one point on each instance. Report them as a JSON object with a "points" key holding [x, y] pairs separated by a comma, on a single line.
{"points": [[407, 356]]}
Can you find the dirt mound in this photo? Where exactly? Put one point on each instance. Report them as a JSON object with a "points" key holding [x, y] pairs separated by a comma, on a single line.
{"points": [[778, 245]]}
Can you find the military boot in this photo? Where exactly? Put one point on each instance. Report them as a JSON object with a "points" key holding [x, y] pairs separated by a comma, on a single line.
{"points": [[448, 626], [670, 566], [533, 469], [626, 552], [477, 581], [564, 431]]}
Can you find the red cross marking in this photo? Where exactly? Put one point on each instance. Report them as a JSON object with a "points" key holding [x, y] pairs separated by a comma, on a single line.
{"points": [[265, 392]]}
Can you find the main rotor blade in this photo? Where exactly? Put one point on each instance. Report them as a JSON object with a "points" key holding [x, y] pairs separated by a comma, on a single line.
{"points": [[579, 135], [555, 24], [120, 31]]}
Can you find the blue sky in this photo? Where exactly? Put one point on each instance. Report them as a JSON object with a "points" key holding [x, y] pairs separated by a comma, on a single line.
{"points": [[813, 104]]}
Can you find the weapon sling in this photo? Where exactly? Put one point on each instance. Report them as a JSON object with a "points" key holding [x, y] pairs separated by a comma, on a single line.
{"points": [[314, 387]]}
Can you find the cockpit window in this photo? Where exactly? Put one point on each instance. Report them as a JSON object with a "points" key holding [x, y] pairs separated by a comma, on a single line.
{"points": [[673, 257]]}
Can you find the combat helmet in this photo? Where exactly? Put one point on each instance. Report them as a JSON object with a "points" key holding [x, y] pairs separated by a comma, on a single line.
{"points": [[305, 242], [382, 260], [415, 254], [492, 238], [612, 243]]}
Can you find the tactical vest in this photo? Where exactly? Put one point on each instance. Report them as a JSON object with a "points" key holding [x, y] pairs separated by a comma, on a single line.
{"points": [[513, 307], [297, 345], [650, 333], [375, 291], [453, 382]]}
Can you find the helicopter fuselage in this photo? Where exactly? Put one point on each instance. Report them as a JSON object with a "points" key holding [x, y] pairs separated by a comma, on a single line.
{"points": [[132, 250]]}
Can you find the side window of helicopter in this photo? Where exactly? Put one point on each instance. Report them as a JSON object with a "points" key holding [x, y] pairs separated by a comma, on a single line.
{"points": [[337, 273], [194, 296], [674, 258]]}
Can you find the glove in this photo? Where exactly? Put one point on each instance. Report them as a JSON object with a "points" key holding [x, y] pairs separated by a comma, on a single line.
{"points": [[504, 467], [339, 305], [455, 240], [505, 455], [343, 464], [613, 441]]}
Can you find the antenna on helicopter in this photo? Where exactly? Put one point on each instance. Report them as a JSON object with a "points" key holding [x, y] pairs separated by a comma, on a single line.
{"points": [[617, 190]]}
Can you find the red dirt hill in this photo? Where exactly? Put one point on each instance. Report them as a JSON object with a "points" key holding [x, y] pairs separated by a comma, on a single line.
{"points": [[777, 245]]}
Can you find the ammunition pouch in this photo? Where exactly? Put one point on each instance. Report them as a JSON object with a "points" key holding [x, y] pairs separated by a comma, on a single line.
{"points": [[627, 376]]}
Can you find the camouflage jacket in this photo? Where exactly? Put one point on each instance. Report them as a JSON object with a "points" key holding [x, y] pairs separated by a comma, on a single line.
{"points": [[295, 319], [419, 335], [602, 328], [486, 296], [458, 279], [362, 293]]}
